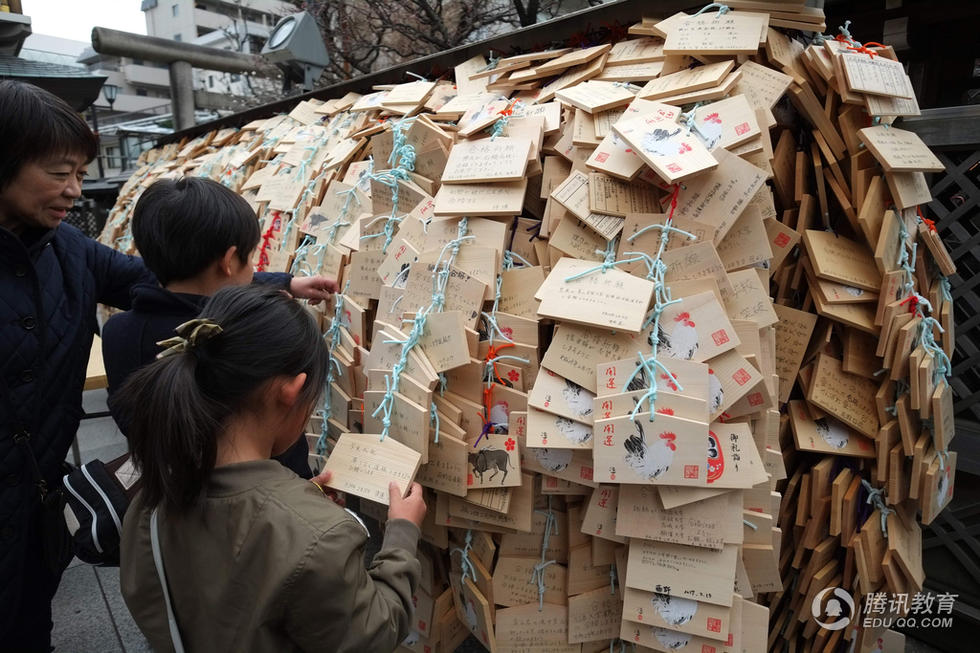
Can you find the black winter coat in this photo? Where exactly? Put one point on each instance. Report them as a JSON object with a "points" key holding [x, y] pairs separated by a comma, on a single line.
{"points": [[50, 283], [129, 341]]}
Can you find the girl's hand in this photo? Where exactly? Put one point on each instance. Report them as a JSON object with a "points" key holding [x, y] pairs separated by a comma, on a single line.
{"points": [[314, 289], [412, 507], [321, 480]]}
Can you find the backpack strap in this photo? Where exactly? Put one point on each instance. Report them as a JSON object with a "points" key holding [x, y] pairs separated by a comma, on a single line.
{"points": [[158, 563]]}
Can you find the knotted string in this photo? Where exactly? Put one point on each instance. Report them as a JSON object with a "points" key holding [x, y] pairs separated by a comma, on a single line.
{"points": [[550, 528], [434, 419], [509, 257], [332, 336], [439, 282], [464, 553], [657, 271], [498, 127], [722, 9], [875, 499], [491, 64]]}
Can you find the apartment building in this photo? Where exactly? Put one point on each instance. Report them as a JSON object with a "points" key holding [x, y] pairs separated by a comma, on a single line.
{"points": [[237, 25]]}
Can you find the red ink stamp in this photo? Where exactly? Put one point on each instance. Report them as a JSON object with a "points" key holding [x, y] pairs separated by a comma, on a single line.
{"points": [[690, 471], [720, 337], [714, 625], [781, 240], [755, 399], [742, 129], [740, 376], [601, 156]]}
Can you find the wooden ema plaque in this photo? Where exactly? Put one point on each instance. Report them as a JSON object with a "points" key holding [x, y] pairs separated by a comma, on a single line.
{"points": [[797, 365]]}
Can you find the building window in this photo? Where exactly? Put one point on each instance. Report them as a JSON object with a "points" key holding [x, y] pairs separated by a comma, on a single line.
{"points": [[112, 159], [175, 9], [210, 81], [177, 37], [141, 92]]}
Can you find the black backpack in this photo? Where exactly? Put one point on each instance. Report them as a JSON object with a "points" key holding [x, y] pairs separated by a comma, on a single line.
{"points": [[98, 495]]}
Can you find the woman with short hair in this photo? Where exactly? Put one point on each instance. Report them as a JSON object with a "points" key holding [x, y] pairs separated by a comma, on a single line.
{"points": [[51, 278]]}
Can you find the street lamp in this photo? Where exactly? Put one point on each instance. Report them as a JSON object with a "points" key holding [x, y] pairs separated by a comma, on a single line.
{"points": [[110, 92]]}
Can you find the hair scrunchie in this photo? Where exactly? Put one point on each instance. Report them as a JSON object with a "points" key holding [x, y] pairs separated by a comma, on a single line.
{"points": [[190, 334]]}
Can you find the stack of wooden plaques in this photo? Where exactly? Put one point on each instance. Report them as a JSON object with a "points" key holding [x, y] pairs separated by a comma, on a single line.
{"points": [[670, 369]]}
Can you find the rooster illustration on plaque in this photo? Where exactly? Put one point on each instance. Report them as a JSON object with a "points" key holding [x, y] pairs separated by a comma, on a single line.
{"points": [[660, 142], [671, 639], [649, 459], [573, 431], [554, 460], [716, 393], [675, 610], [578, 398], [682, 340], [499, 417], [639, 380], [833, 432], [709, 129]]}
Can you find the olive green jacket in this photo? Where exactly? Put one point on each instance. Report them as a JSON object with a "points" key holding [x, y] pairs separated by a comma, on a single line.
{"points": [[265, 562]]}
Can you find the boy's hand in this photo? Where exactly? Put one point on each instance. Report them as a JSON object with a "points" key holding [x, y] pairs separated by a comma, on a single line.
{"points": [[313, 288], [412, 507]]}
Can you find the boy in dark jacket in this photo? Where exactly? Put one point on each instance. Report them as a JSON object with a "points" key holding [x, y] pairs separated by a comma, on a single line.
{"points": [[51, 278], [197, 236]]}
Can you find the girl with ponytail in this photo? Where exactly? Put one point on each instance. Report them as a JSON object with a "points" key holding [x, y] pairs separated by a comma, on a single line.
{"points": [[256, 559]]}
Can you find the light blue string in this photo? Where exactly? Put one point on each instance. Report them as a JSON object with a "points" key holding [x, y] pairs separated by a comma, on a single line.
{"points": [[847, 34], [927, 340], [404, 154], [434, 418], [491, 64], [945, 289], [629, 86], [440, 280], [612, 578], [509, 256], [657, 271], [609, 262], [491, 317], [722, 9], [465, 563], [875, 498], [299, 261], [537, 574], [332, 336], [416, 76], [690, 116], [750, 524]]}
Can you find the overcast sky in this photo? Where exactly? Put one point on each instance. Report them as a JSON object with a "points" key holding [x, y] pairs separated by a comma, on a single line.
{"points": [[74, 19]]}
